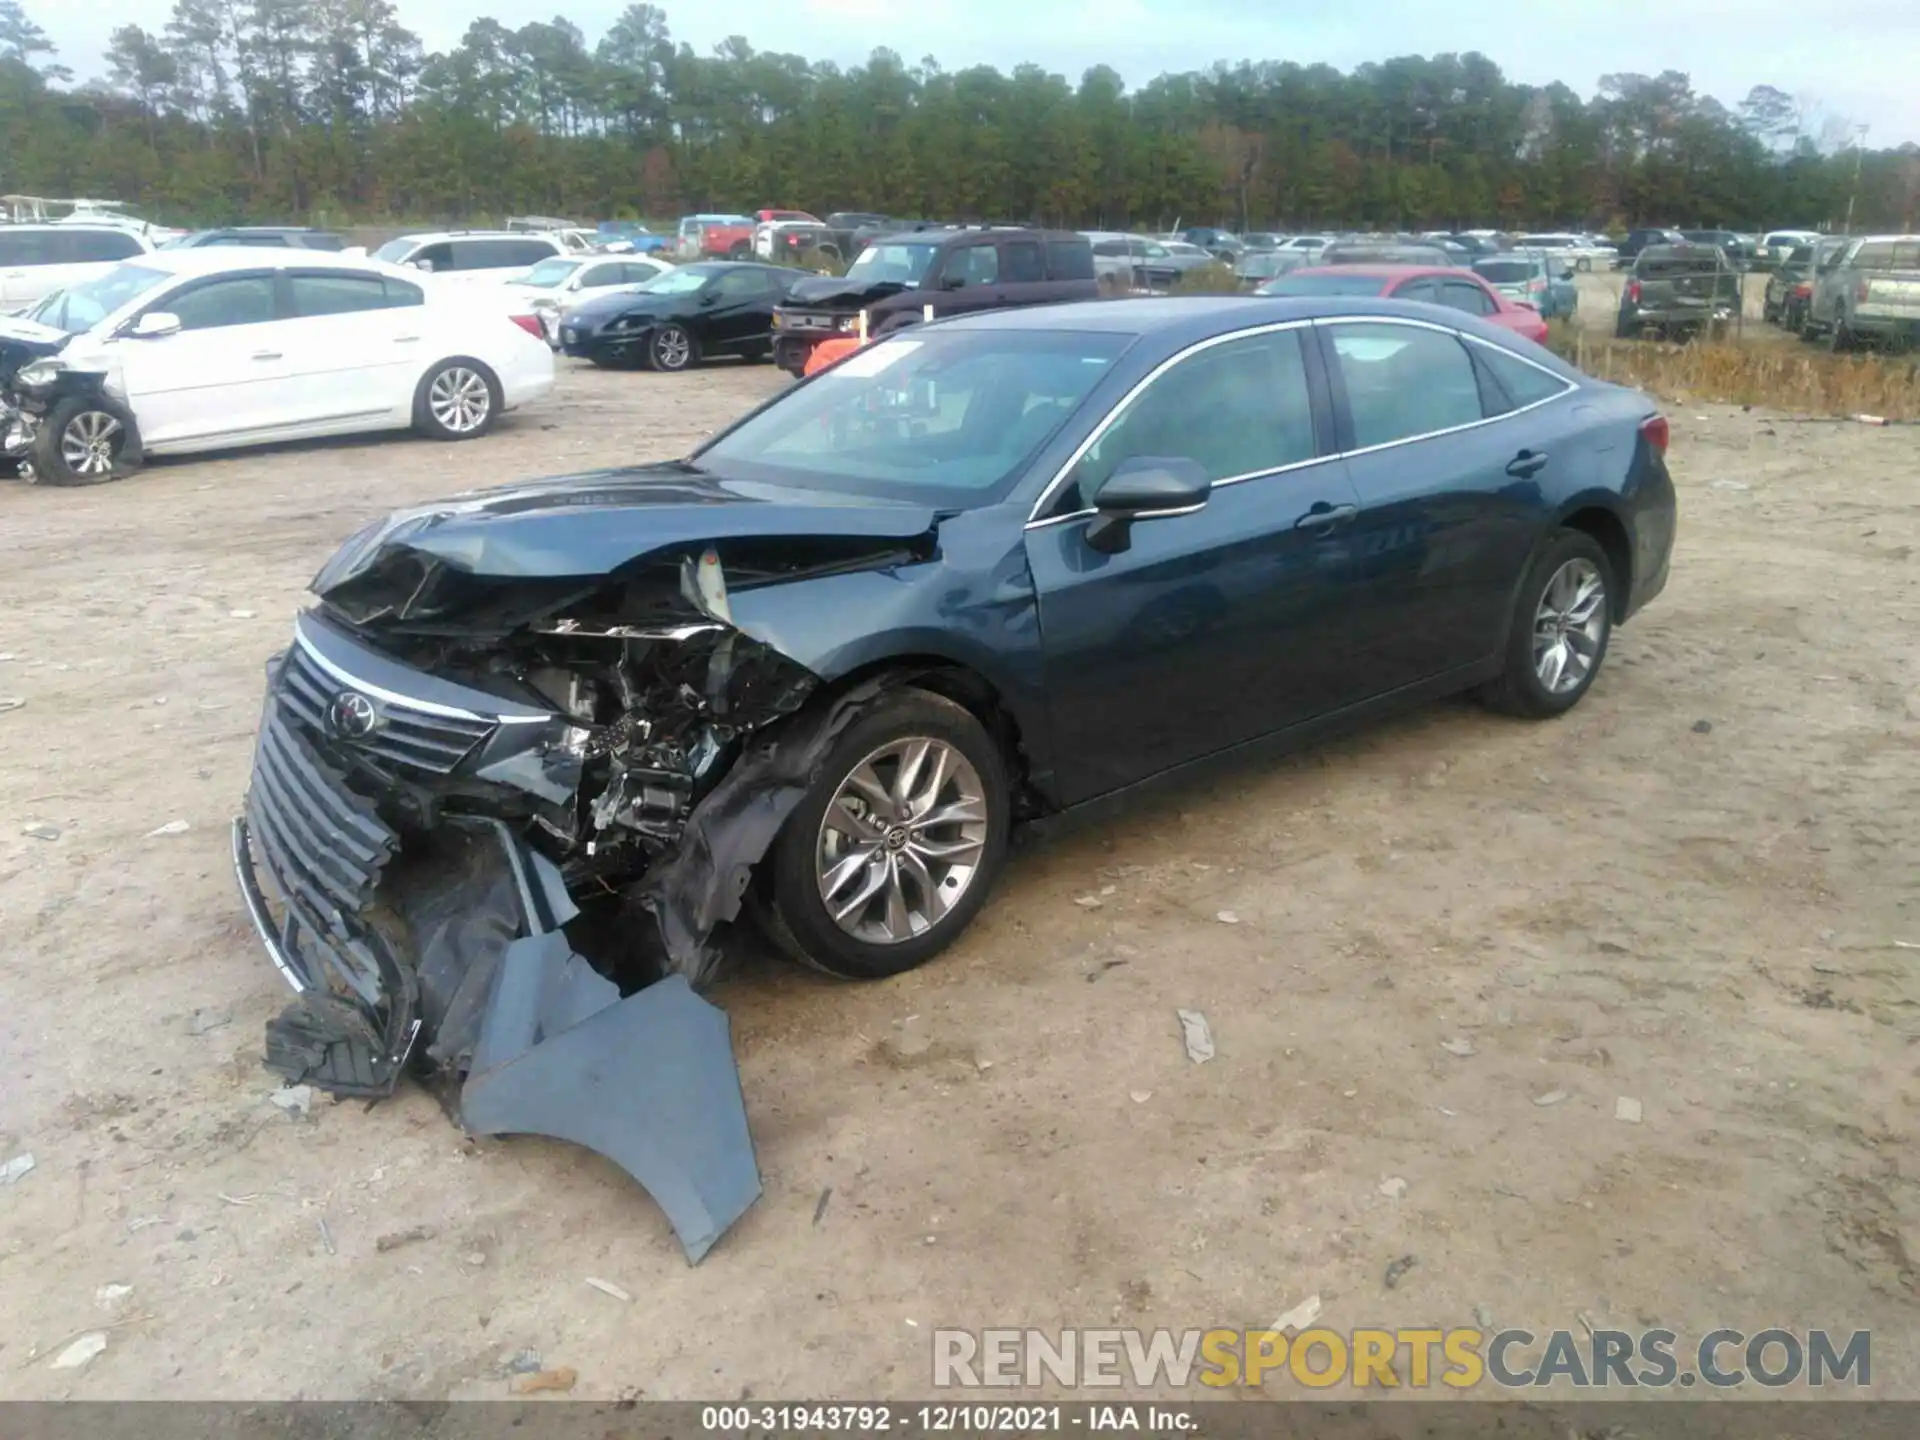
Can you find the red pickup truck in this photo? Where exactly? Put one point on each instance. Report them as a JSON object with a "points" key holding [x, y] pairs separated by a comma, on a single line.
{"points": [[715, 237]]}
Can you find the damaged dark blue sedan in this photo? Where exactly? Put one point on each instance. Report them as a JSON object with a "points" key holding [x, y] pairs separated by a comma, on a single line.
{"points": [[534, 748]]}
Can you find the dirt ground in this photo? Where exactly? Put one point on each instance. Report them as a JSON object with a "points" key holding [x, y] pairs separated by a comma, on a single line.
{"points": [[1688, 893]]}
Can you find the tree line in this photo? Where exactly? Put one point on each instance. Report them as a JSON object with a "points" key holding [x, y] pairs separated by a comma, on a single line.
{"points": [[330, 111]]}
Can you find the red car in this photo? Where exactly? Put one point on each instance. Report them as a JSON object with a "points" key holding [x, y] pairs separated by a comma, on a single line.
{"points": [[768, 217], [1435, 284]]}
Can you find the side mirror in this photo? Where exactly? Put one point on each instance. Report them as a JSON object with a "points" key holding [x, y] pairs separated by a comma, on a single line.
{"points": [[954, 282], [708, 297], [1143, 488], [155, 325], [426, 265], [1567, 274]]}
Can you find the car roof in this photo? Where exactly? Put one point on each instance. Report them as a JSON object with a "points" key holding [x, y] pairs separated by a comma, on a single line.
{"points": [[67, 227], [1183, 319], [434, 237], [1384, 271], [213, 259]]}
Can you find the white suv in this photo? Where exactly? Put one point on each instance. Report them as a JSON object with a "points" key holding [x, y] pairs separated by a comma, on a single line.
{"points": [[36, 260], [473, 255]]}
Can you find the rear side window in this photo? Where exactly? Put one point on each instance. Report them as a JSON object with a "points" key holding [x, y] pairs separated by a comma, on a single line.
{"points": [[247, 240], [1024, 261], [1515, 381], [23, 247], [1404, 381], [1888, 255], [1459, 295], [1071, 259], [1105, 248], [499, 254], [344, 292], [93, 247], [216, 304]]}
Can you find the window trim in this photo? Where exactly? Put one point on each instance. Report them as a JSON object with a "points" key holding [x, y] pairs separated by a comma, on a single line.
{"points": [[188, 284], [1568, 387], [1114, 411]]}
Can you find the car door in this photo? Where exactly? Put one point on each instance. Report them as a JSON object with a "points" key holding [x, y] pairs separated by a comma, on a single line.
{"points": [[354, 344], [1214, 626], [739, 315], [224, 374], [1449, 476]]}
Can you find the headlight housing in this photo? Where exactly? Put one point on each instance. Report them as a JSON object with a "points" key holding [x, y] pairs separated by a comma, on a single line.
{"points": [[38, 374]]}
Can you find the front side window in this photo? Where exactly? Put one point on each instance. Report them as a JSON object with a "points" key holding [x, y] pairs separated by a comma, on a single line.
{"points": [[1403, 381], [1237, 408], [549, 274], [743, 284], [944, 417], [217, 304], [973, 265], [250, 240], [499, 254]]}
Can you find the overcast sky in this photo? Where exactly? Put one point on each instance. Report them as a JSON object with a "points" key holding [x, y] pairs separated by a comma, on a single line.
{"points": [[1857, 58]]}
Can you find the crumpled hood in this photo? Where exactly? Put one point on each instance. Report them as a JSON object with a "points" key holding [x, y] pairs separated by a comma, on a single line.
{"points": [[24, 340], [835, 293], [587, 525]]}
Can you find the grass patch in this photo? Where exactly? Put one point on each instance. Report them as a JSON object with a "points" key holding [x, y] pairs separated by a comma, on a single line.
{"points": [[1778, 376], [1206, 280]]}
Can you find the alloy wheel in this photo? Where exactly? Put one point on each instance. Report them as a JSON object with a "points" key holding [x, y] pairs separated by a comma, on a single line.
{"points": [[902, 840], [672, 349], [91, 443], [1569, 626], [460, 400]]}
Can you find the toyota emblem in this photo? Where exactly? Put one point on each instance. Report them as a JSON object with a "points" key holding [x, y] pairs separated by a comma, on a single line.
{"points": [[352, 715]]}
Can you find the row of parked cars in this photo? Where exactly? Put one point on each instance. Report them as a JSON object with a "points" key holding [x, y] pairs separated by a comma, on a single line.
{"points": [[1849, 291]]}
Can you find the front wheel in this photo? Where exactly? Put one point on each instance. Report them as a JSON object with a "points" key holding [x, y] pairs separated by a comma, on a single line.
{"points": [[892, 853], [1562, 621], [672, 349], [456, 400], [84, 440]]}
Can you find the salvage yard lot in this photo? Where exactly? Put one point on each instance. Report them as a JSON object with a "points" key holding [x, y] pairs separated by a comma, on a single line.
{"points": [[1687, 892]]}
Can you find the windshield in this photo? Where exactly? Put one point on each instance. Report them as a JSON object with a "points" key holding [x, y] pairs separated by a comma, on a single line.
{"points": [[898, 264], [1505, 272], [548, 273], [683, 280], [1324, 285], [394, 251], [83, 306], [946, 418]]}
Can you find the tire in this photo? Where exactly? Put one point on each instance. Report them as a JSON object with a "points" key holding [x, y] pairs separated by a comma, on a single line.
{"points": [[672, 348], [1564, 563], [742, 250], [1584, 266], [1626, 330], [1840, 338], [458, 399], [808, 852], [84, 440]]}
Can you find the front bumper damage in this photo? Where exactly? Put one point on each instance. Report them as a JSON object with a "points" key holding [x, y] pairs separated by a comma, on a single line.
{"points": [[416, 853]]}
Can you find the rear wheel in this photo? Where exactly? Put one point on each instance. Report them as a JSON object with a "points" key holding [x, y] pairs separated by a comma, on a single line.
{"points": [[457, 400], [1562, 621], [84, 440], [892, 853], [1840, 337]]}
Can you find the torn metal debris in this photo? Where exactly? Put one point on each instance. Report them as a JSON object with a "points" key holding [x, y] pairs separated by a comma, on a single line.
{"points": [[495, 821]]}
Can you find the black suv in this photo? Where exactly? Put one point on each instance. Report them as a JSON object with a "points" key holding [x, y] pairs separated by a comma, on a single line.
{"points": [[1638, 240], [953, 271]]}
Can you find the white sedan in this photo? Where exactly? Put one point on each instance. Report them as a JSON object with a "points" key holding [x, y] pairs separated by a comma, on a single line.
{"points": [[189, 350], [554, 286]]}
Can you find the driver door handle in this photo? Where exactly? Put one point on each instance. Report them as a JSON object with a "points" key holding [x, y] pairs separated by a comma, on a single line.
{"points": [[266, 355], [1527, 463], [1324, 518]]}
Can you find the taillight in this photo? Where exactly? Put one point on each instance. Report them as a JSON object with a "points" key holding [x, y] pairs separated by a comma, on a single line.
{"points": [[1801, 292], [1633, 292], [530, 324], [1657, 431]]}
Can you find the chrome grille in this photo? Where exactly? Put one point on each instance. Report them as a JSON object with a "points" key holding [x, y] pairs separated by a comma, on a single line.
{"points": [[322, 849], [418, 739]]}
